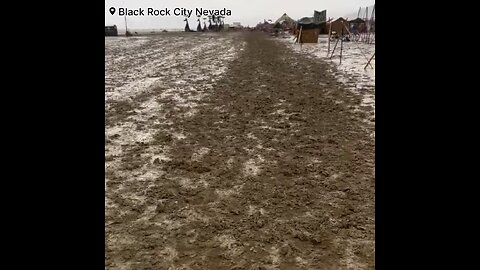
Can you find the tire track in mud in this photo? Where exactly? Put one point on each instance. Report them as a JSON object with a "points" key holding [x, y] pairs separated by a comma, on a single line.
{"points": [[268, 168], [132, 140], [284, 170]]}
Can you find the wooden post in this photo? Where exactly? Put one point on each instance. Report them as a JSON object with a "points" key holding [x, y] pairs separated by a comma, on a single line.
{"points": [[346, 28], [368, 32], [126, 29], [368, 63], [341, 47], [334, 47], [329, 36], [370, 22], [300, 36]]}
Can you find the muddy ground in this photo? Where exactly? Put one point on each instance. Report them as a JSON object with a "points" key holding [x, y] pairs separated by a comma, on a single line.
{"points": [[233, 151]]}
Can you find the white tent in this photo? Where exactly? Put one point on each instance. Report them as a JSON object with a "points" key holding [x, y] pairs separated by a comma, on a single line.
{"points": [[285, 18]]}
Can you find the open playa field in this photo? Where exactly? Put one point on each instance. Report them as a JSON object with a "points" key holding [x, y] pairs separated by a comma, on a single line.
{"points": [[237, 151]]}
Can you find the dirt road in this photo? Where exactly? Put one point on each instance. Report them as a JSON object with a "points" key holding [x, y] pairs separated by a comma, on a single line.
{"points": [[234, 152]]}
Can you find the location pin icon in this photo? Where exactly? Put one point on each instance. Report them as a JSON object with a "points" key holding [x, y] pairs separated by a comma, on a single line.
{"points": [[112, 10]]}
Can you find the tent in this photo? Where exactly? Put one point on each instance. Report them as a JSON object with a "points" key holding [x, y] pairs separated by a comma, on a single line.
{"points": [[338, 25], [285, 19]]}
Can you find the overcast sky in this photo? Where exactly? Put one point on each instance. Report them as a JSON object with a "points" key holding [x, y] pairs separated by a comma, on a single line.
{"points": [[247, 12]]}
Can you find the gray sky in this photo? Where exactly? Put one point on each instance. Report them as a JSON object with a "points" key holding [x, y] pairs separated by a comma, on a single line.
{"points": [[247, 12]]}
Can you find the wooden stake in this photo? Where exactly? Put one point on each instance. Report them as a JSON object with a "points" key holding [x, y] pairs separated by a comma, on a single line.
{"points": [[370, 22], [300, 36], [367, 36], [368, 63], [334, 47], [126, 29], [329, 36]]}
